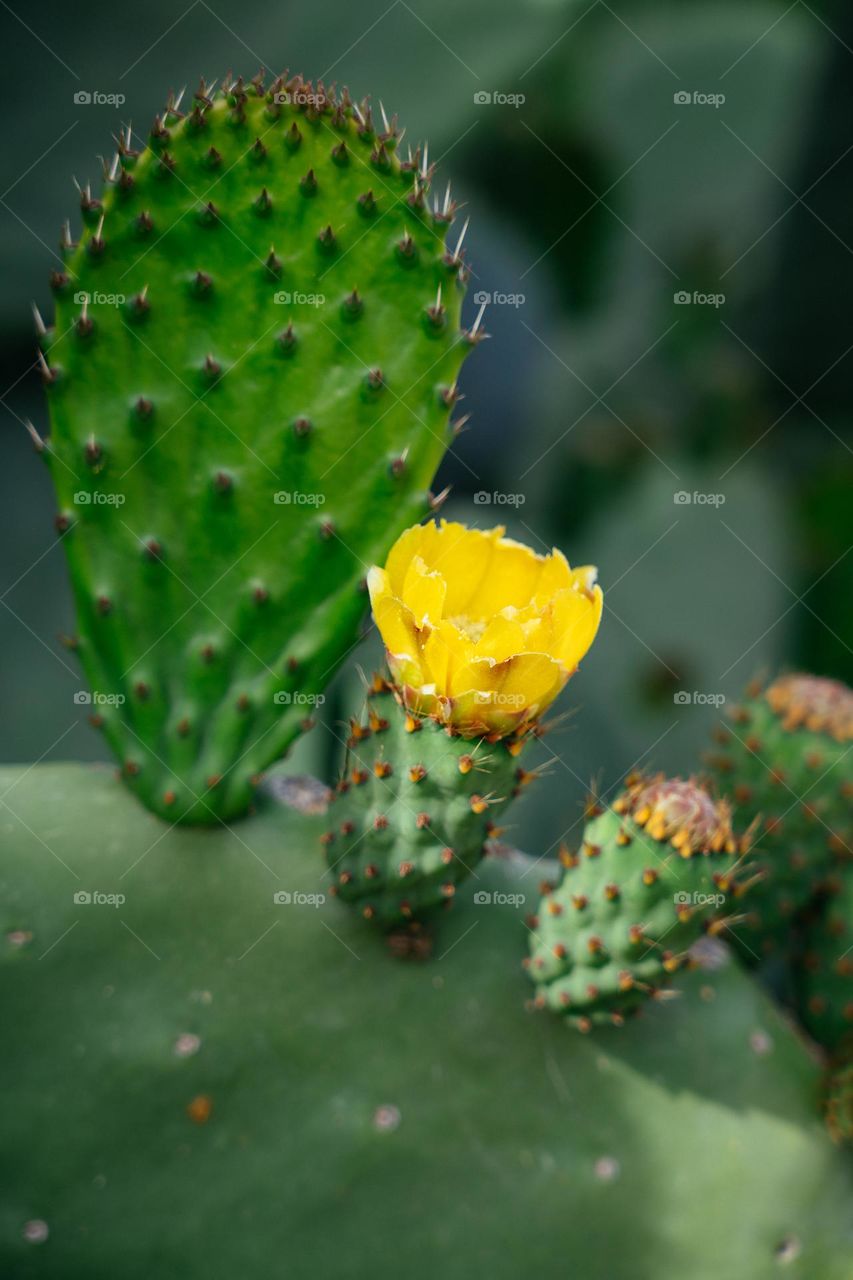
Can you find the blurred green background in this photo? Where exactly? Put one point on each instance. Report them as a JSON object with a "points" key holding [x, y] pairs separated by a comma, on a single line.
{"points": [[660, 197]]}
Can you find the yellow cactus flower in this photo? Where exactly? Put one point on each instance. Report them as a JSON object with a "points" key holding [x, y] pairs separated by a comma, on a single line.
{"points": [[481, 632]]}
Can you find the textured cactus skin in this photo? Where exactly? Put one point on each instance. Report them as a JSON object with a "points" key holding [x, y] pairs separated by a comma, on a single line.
{"points": [[786, 763], [607, 1150], [823, 980], [413, 811], [630, 904], [199, 598], [838, 1100]]}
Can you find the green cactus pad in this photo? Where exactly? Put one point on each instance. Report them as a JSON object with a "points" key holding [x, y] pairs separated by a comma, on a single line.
{"points": [[200, 1083], [838, 1099], [254, 357], [413, 811], [787, 765], [653, 873], [823, 978]]}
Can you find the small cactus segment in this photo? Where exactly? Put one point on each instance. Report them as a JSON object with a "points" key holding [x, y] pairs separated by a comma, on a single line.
{"points": [[824, 969], [250, 375], [654, 871], [786, 763], [838, 1099], [413, 811]]}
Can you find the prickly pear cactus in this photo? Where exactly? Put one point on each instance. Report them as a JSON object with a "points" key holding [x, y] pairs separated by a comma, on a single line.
{"points": [[481, 634], [249, 377], [413, 811], [786, 763], [823, 979], [653, 873], [225, 1074]]}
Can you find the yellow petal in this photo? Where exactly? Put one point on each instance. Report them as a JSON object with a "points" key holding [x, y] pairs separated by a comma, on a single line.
{"points": [[464, 557], [423, 593], [554, 575], [566, 626], [445, 650], [514, 572], [414, 542], [502, 638], [499, 697], [397, 628]]}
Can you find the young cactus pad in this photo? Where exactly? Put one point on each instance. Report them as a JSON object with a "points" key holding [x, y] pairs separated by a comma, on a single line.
{"points": [[413, 811], [786, 763], [253, 361], [653, 873]]}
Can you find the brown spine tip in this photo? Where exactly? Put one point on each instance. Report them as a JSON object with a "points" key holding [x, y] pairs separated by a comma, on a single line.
{"points": [[353, 305], [287, 340]]}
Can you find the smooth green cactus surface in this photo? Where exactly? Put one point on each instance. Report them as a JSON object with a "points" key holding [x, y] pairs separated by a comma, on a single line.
{"points": [[413, 811], [786, 763], [823, 979], [653, 873], [202, 1082], [249, 378]]}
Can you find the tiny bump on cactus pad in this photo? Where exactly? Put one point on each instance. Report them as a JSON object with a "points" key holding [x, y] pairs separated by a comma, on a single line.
{"points": [[413, 811], [785, 761], [653, 873], [249, 386]]}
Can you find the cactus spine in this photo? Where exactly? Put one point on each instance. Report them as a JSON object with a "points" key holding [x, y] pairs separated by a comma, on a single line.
{"points": [[249, 378]]}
